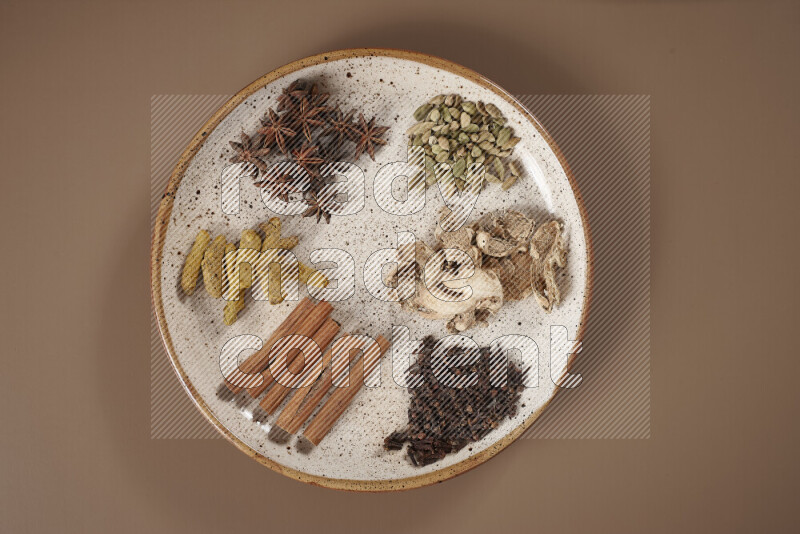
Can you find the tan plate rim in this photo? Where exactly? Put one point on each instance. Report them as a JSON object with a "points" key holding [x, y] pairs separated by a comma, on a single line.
{"points": [[162, 221]]}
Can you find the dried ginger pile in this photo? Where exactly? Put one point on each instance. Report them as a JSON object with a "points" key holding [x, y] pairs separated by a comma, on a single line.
{"points": [[512, 257]]}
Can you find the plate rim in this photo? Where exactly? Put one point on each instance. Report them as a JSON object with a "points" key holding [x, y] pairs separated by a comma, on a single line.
{"points": [[162, 222]]}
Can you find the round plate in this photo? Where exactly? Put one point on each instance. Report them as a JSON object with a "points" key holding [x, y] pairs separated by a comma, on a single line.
{"points": [[389, 84]]}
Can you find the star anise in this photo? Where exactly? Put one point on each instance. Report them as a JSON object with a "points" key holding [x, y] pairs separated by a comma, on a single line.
{"points": [[306, 157], [330, 150], [291, 94], [276, 129], [317, 207], [368, 135], [317, 98], [280, 186], [309, 115], [340, 126], [250, 150]]}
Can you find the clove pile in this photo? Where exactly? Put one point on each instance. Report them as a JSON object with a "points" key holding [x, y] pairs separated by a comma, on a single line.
{"points": [[444, 419]]}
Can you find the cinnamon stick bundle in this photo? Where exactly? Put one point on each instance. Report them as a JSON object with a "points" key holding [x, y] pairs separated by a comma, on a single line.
{"points": [[296, 413], [297, 371], [307, 326], [259, 361], [341, 397]]}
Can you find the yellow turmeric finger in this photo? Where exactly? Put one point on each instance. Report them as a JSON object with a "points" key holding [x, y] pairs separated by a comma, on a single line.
{"points": [[272, 232], [249, 242], [272, 236], [191, 269], [231, 285], [212, 266], [232, 308], [312, 277], [287, 243], [276, 294]]}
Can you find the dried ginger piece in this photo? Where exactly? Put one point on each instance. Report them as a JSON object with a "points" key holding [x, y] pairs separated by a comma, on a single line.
{"points": [[462, 239], [516, 226], [494, 246], [547, 252], [513, 268], [514, 272]]}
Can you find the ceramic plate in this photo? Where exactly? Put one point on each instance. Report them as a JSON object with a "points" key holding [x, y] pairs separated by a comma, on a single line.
{"points": [[390, 85]]}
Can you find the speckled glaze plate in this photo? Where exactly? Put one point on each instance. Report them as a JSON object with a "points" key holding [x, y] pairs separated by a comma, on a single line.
{"points": [[389, 84]]}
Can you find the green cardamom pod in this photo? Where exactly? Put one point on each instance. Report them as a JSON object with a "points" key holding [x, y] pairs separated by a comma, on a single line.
{"points": [[503, 136], [508, 182], [419, 128], [459, 167], [422, 112], [493, 110], [499, 169], [446, 117]]}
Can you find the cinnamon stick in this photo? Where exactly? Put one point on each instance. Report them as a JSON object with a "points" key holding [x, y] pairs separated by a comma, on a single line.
{"points": [[295, 413], [341, 397], [307, 326], [259, 361], [294, 373]]}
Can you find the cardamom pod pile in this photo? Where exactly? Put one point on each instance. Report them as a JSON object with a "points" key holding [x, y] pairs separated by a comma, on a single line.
{"points": [[461, 132]]}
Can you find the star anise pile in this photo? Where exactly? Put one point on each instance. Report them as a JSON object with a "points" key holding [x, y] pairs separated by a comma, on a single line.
{"points": [[304, 129]]}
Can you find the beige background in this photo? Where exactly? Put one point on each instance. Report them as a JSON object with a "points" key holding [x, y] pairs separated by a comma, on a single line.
{"points": [[76, 84]]}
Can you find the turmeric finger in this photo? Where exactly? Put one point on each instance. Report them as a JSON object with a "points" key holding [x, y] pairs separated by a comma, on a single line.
{"points": [[287, 243], [272, 232], [212, 266], [231, 285], [312, 277], [249, 242], [232, 309], [275, 288], [191, 269]]}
